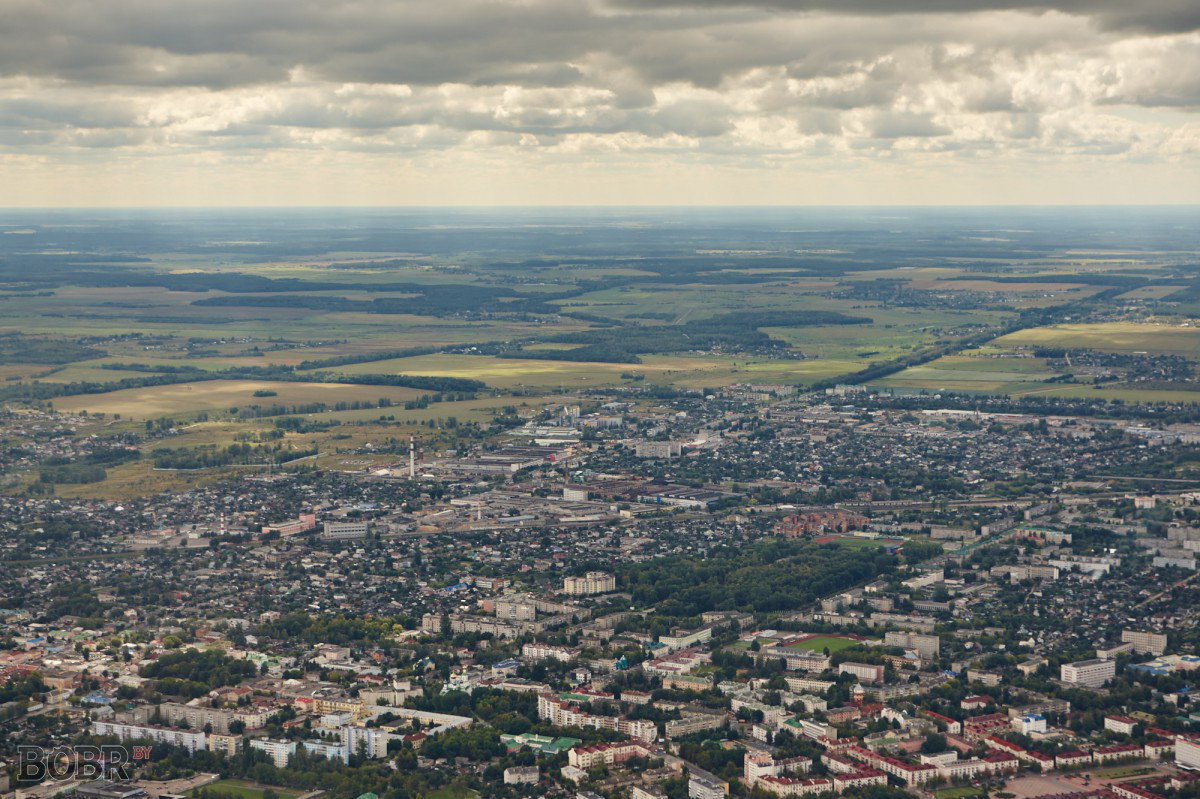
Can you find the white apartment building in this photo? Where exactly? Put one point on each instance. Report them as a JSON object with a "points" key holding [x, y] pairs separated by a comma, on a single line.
{"points": [[345, 531], [701, 787], [1089, 673], [1154, 643], [867, 672], [185, 739], [927, 646], [591, 583], [280, 752], [1187, 753]]}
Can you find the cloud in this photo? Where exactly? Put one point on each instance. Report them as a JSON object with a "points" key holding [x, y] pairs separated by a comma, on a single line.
{"points": [[697, 83]]}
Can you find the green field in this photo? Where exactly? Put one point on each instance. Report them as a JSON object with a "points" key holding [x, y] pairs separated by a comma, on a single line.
{"points": [[957, 793], [1005, 365], [243, 789], [819, 644]]}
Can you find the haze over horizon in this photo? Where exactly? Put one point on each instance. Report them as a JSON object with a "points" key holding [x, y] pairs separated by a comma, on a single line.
{"points": [[602, 102]]}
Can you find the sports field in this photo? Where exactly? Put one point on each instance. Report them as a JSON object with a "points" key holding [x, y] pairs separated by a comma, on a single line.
{"points": [[243, 790], [859, 542], [819, 643]]}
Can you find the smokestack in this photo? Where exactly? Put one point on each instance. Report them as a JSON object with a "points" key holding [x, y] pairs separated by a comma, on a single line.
{"points": [[412, 458]]}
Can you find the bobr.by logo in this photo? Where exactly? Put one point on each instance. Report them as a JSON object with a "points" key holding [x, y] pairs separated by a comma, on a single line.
{"points": [[82, 762]]}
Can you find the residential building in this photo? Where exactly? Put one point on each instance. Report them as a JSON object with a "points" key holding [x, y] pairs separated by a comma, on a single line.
{"points": [[1152, 643], [1120, 724], [280, 752], [705, 786], [590, 584], [1089, 673], [927, 647], [1187, 753], [867, 672], [521, 775], [189, 740], [345, 531]]}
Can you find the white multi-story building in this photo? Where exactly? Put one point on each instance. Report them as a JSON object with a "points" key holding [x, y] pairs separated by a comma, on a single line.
{"points": [[867, 672], [682, 639], [586, 757], [521, 775], [329, 750], [1120, 724], [704, 787], [345, 531], [1089, 673], [758, 765], [185, 739], [280, 752], [591, 583], [516, 607], [1033, 722], [927, 646], [1187, 753], [371, 741], [536, 651], [564, 714], [1153, 643]]}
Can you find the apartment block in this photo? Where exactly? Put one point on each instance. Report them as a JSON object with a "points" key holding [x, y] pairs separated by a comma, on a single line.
{"points": [[1089, 673], [1152, 643]]}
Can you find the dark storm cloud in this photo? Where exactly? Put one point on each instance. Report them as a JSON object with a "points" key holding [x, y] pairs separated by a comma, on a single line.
{"points": [[222, 43], [1159, 16]]}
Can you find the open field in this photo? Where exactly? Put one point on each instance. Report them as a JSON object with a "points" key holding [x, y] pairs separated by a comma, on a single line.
{"points": [[1030, 786], [679, 370], [215, 395], [992, 369], [958, 793], [243, 789], [1126, 337]]}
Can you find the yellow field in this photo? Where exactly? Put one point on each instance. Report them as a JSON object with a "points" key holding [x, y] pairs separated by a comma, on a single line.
{"points": [[687, 371], [215, 395], [1155, 339]]}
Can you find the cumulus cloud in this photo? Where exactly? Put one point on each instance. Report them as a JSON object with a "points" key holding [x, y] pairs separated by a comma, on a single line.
{"points": [[714, 82]]}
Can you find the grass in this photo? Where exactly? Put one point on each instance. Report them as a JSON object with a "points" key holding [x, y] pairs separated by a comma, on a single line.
{"points": [[822, 642], [242, 789], [957, 793], [856, 542]]}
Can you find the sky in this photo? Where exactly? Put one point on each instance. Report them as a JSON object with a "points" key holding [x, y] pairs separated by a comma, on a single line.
{"points": [[598, 102]]}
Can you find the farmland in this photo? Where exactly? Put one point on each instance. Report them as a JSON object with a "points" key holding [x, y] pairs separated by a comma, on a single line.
{"points": [[216, 395], [1016, 364], [412, 330]]}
